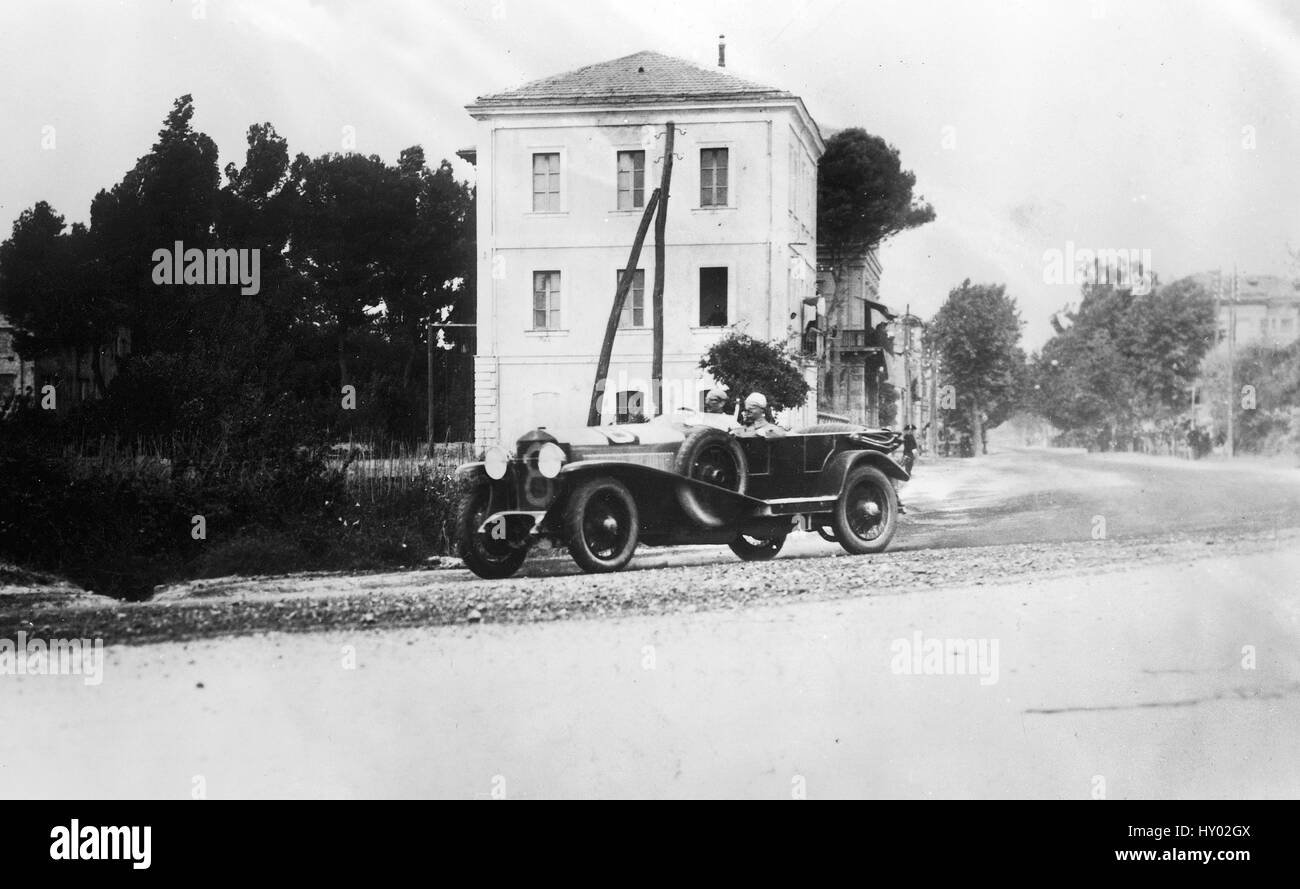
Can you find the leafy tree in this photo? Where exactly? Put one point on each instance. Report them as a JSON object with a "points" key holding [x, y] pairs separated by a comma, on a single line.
{"points": [[170, 195], [348, 239], [744, 365], [977, 331], [864, 196], [1126, 362], [49, 290], [356, 256]]}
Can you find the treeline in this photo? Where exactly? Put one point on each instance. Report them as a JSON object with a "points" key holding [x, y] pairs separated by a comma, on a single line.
{"points": [[356, 256], [207, 449], [1121, 373]]}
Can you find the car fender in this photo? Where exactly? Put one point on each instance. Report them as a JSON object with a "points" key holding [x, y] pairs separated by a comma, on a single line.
{"points": [[839, 466], [641, 479], [472, 472]]}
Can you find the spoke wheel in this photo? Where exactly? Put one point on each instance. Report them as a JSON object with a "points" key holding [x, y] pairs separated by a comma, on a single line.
{"points": [[601, 525], [866, 515], [486, 555]]}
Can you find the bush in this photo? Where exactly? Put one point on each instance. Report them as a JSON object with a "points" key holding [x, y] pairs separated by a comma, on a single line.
{"points": [[120, 521], [744, 365]]}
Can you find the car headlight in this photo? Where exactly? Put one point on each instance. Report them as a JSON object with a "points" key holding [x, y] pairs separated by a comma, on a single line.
{"points": [[495, 461], [550, 459]]}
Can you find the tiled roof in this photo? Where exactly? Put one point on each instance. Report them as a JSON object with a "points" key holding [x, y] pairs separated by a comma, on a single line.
{"points": [[641, 77]]}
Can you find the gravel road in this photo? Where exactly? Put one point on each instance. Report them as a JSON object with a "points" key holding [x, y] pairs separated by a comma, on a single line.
{"points": [[1017, 514]]}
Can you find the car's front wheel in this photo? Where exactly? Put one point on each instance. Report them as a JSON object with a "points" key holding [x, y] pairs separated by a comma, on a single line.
{"points": [[601, 525], [757, 549], [866, 514], [487, 553]]}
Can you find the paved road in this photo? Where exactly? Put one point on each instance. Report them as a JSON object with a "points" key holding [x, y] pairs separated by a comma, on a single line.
{"points": [[1143, 670], [1130, 684]]}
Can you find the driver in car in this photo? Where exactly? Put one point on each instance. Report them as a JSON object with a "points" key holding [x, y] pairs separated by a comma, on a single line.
{"points": [[756, 420]]}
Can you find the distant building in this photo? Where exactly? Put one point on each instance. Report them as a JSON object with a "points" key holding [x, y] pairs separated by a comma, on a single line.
{"points": [[15, 373], [1267, 309], [73, 373], [565, 167], [857, 350]]}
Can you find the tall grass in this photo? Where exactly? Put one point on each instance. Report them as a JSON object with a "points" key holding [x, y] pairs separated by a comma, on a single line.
{"points": [[116, 514]]}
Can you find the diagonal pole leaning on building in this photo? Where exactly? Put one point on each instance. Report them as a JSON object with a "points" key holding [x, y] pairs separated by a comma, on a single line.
{"points": [[616, 310]]}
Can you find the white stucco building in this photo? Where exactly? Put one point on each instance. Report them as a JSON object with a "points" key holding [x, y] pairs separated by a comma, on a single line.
{"points": [[565, 165]]}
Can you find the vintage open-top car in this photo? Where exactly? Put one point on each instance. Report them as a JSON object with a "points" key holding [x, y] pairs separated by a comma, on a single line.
{"points": [[602, 490]]}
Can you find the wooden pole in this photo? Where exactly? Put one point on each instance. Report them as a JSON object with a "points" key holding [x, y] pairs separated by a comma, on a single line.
{"points": [[661, 222], [620, 296], [428, 380]]}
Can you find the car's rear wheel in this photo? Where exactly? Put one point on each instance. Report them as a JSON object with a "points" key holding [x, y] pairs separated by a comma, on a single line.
{"points": [[757, 549], [866, 514], [601, 525], [489, 555], [712, 456]]}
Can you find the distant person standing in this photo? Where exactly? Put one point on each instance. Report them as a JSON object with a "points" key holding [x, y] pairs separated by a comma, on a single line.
{"points": [[909, 448]]}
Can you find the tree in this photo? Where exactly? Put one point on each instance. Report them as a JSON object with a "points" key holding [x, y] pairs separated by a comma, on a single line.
{"points": [[744, 365], [977, 332], [349, 239], [356, 256], [49, 290], [1126, 362], [864, 197], [170, 195]]}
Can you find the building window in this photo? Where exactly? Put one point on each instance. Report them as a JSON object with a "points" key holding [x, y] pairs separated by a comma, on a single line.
{"points": [[713, 297], [1263, 327], [631, 180], [634, 306], [629, 407], [1286, 325], [546, 183], [713, 177], [546, 300]]}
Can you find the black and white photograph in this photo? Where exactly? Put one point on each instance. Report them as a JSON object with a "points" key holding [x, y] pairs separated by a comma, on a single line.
{"points": [[538, 400]]}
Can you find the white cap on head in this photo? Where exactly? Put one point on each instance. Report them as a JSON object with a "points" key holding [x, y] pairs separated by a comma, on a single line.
{"points": [[718, 391], [756, 398]]}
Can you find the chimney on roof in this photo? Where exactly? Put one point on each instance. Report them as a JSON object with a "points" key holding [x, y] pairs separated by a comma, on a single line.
{"points": [[722, 50]]}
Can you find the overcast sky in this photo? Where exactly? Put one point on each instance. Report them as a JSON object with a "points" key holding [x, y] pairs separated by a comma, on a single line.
{"points": [[1165, 126]]}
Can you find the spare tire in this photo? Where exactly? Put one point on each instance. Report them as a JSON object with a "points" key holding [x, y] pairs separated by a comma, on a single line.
{"points": [[713, 456]]}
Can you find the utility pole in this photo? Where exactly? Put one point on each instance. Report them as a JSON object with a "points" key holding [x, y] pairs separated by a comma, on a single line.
{"points": [[934, 397], [661, 222], [1232, 372], [907, 364]]}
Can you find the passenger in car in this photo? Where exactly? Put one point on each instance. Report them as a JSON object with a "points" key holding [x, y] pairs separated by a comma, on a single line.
{"points": [[714, 413], [756, 419]]}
